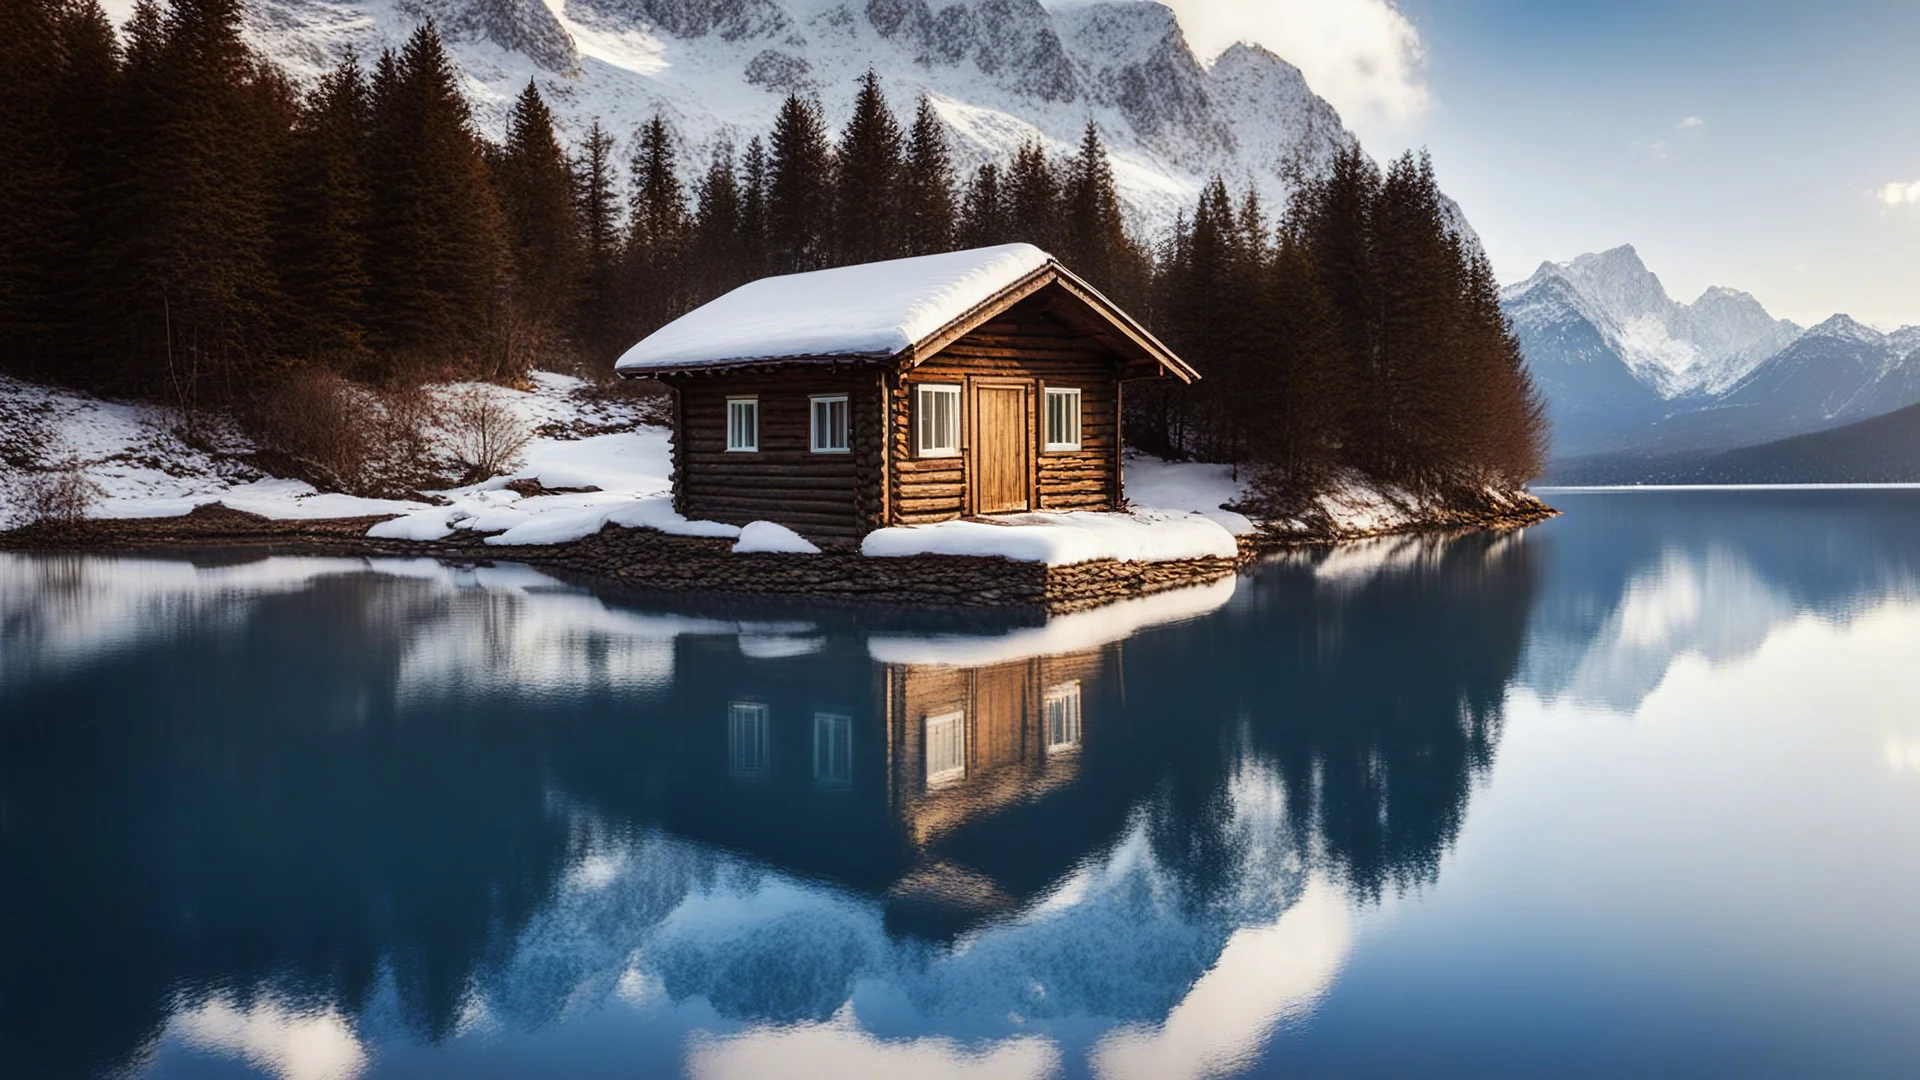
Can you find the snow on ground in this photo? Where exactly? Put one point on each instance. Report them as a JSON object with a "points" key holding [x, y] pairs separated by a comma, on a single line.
{"points": [[1192, 486], [874, 309], [144, 467], [1060, 539]]}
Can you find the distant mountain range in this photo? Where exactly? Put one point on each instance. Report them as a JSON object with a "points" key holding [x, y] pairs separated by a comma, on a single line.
{"points": [[1633, 377], [998, 71]]}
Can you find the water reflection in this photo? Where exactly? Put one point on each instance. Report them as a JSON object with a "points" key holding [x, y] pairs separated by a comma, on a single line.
{"points": [[324, 816], [1648, 579], [332, 818]]}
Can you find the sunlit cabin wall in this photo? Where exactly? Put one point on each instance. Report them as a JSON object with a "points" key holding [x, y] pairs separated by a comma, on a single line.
{"points": [[1027, 345]]}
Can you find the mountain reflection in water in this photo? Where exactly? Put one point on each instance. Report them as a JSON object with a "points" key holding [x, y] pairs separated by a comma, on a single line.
{"points": [[334, 818]]}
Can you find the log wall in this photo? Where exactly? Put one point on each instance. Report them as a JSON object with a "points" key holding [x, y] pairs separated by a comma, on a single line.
{"points": [[828, 498], [1023, 343]]}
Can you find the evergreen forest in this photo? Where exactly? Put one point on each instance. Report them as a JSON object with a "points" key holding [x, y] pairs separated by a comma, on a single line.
{"points": [[180, 222]]}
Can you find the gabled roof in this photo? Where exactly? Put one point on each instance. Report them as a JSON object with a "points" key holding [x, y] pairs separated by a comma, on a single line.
{"points": [[901, 310]]}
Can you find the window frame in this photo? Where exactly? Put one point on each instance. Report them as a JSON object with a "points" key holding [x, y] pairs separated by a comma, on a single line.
{"points": [[743, 399], [953, 771], [833, 732], [1047, 440], [749, 740], [814, 402], [921, 392], [1063, 701]]}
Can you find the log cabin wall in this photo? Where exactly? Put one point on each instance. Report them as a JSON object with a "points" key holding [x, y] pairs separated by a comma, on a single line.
{"points": [[830, 498], [1022, 343]]}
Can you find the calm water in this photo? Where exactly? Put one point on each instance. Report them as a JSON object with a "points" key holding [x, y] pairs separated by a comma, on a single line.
{"points": [[1634, 793]]}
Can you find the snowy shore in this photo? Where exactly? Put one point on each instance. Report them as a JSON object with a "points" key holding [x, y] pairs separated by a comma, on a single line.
{"points": [[594, 462]]}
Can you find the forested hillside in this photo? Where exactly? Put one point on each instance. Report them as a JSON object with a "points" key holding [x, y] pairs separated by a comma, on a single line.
{"points": [[179, 222]]}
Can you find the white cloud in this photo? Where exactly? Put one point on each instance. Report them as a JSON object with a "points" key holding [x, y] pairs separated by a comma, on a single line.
{"points": [[1899, 194], [1691, 123], [1364, 56]]}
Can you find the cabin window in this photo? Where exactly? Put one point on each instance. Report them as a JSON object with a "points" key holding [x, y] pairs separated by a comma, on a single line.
{"points": [[1063, 717], [747, 740], [830, 423], [743, 424], [937, 416], [946, 738], [1063, 419], [832, 750]]}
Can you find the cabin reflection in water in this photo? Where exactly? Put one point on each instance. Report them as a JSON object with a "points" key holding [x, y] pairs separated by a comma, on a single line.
{"points": [[863, 777]]}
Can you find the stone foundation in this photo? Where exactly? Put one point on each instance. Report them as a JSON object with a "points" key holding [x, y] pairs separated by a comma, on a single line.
{"points": [[647, 561], [644, 560]]}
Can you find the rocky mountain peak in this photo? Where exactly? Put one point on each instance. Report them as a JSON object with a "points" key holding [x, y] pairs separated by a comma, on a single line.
{"points": [[1000, 72], [1847, 328]]}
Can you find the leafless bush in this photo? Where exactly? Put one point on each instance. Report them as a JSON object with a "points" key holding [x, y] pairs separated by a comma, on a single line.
{"points": [[62, 495], [487, 437], [327, 428], [410, 416]]}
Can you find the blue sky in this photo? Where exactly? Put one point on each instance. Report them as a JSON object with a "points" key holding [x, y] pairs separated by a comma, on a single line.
{"points": [[1756, 145]]}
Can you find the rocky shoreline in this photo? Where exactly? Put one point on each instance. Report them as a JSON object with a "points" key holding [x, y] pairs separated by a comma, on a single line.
{"points": [[646, 560]]}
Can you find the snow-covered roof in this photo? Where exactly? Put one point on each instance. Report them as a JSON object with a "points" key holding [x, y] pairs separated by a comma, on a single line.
{"points": [[871, 310]]}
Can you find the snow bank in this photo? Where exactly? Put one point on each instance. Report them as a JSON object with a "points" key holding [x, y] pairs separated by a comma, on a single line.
{"points": [[874, 309], [767, 536], [1195, 487], [1061, 539]]}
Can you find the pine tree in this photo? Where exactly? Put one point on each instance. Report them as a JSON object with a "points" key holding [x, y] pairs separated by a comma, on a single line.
{"points": [[597, 207], [1095, 242], [983, 210], [799, 190], [657, 227], [84, 109], [755, 179], [321, 235], [1033, 198], [867, 176], [927, 208], [35, 204], [718, 260], [536, 187], [1332, 216], [438, 256], [1420, 382], [190, 287]]}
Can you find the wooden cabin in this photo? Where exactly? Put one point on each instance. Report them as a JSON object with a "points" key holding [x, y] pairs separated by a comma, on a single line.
{"points": [[916, 390]]}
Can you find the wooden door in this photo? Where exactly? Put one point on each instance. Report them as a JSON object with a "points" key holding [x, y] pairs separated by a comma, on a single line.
{"points": [[1002, 450]]}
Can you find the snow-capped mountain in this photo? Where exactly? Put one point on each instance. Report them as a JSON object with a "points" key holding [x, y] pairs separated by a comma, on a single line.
{"points": [[998, 71], [1625, 367], [1677, 350]]}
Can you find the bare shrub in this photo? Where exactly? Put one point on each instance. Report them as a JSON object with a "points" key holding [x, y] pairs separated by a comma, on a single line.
{"points": [[325, 427], [487, 437], [61, 496], [410, 417]]}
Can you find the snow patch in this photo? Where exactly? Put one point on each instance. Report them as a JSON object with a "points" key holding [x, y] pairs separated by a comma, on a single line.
{"points": [[1062, 539], [765, 536]]}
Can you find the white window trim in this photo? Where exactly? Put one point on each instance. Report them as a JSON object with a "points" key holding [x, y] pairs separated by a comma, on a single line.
{"points": [[814, 401], [749, 717], [952, 772], [920, 393], [1067, 696], [1046, 417], [824, 724], [754, 400]]}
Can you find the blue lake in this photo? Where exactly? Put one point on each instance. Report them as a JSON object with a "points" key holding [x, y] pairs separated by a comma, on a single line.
{"points": [[1635, 792]]}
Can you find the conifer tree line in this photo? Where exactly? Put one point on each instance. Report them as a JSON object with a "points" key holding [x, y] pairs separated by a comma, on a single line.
{"points": [[179, 221]]}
